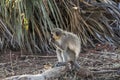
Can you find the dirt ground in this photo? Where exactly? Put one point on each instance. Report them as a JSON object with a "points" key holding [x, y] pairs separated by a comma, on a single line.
{"points": [[100, 59], [14, 63]]}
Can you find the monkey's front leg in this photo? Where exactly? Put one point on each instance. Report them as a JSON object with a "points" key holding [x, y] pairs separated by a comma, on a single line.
{"points": [[64, 56], [61, 58], [58, 64]]}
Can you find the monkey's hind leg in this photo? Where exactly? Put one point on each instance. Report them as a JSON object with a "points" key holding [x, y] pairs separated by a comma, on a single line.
{"points": [[77, 66], [74, 65]]}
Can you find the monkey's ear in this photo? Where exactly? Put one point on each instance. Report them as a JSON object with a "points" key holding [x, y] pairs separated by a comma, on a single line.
{"points": [[64, 34]]}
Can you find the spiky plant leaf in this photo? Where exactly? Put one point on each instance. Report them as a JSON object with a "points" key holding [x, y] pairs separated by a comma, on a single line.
{"points": [[26, 24]]}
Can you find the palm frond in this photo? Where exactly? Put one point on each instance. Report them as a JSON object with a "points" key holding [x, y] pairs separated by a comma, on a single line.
{"points": [[26, 24]]}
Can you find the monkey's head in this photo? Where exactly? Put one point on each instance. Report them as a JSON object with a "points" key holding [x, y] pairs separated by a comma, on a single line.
{"points": [[57, 33]]}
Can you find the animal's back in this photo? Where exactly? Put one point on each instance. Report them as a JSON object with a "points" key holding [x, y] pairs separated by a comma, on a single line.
{"points": [[73, 40]]}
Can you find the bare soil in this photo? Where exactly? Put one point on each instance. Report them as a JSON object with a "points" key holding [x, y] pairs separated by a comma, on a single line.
{"points": [[101, 60]]}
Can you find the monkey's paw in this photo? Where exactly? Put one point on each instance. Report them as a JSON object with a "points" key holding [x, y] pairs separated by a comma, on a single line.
{"points": [[58, 64]]}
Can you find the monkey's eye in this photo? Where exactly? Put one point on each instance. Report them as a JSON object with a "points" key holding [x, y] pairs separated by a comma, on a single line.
{"points": [[58, 33]]}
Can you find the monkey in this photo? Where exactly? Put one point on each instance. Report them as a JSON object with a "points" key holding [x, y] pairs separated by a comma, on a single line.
{"points": [[68, 46]]}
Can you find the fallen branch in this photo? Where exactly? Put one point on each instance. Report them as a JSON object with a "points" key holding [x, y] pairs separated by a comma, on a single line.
{"points": [[57, 72], [33, 56], [104, 71], [47, 75]]}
